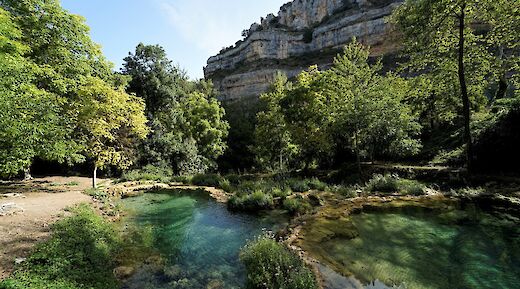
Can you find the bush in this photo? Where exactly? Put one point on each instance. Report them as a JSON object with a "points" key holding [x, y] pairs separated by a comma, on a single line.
{"points": [[79, 254], [296, 206], [149, 173], [278, 192], [251, 202], [207, 180], [315, 184], [299, 185], [270, 264], [225, 185], [383, 184], [411, 187], [346, 191]]}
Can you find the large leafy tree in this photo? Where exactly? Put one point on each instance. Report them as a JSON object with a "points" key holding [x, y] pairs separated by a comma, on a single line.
{"points": [[368, 111], [188, 126], [31, 119], [350, 108], [464, 45], [110, 123]]}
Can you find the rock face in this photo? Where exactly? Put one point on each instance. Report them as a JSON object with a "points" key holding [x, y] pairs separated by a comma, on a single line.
{"points": [[305, 32]]}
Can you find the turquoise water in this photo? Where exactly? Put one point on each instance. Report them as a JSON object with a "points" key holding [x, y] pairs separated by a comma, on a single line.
{"points": [[424, 249], [198, 239]]}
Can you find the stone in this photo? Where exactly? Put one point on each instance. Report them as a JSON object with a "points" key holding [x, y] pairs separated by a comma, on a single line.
{"points": [[215, 284], [247, 70], [19, 261], [9, 209]]}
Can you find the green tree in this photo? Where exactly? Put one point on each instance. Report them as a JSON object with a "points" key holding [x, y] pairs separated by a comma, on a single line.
{"points": [[32, 122], [110, 122], [458, 40], [367, 109], [274, 147], [188, 126]]}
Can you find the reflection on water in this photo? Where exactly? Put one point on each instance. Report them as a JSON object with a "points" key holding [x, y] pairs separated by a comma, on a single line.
{"points": [[198, 238], [423, 249]]}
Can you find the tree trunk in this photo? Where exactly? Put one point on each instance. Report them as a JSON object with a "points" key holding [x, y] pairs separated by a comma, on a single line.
{"points": [[356, 149], [27, 174], [94, 177], [464, 91]]}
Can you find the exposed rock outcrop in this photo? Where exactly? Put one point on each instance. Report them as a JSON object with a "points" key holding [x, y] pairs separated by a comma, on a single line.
{"points": [[305, 32]]}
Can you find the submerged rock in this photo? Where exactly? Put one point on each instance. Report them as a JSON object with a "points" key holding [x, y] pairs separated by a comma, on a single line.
{"points": [[123, 272]]}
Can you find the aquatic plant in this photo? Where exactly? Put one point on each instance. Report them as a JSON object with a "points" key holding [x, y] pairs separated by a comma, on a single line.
{"points": [[270, 264]]}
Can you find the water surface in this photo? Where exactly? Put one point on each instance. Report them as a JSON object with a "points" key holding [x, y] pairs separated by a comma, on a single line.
{"points": [[198, 239], [420, 249]]}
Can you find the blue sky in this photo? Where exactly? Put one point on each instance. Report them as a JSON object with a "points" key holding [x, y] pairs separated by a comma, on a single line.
{"points": [[190, 30]]}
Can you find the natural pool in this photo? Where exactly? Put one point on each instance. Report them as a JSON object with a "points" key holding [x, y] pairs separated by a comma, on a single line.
{"points": [[197, 238], [417, 248]]}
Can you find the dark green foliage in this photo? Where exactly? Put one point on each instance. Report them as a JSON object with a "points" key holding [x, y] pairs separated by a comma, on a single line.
{"points": [[393, 184], [270, 265], [208, 180], [188, 126], [253, 202], [79, 254], [149, 173], [383, 184], [296, 206]]}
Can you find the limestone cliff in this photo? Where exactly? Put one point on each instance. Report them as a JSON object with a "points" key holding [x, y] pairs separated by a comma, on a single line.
{"points": [[304, 33]]}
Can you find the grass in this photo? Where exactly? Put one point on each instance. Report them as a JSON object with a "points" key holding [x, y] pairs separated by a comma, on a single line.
{"points": [[270, 264], [72, 184], [207, 180], [296, 206], [79, 254]]}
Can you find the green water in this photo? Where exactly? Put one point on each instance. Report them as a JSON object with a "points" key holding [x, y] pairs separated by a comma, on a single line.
{"points": [[424, 249], [198, 238]]}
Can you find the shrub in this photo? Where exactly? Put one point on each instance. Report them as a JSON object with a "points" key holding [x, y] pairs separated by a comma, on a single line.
{"points": [[79, 254], [225, 185], [278, 192], [383, 184], [346, 191], [315, 184], [299, 185], [270, 264], [161, 173], [207, 180], [251, 202], [296, 206], [411, 187]]}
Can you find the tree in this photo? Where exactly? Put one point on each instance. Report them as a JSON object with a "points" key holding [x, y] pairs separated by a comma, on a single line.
{"points": [[274, 147], [110, 121], [32, 122], [458, 39], [368, 110], [188, 126]]}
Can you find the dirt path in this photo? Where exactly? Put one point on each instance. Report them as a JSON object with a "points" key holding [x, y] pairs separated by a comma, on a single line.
{"points": [[37, 204]]}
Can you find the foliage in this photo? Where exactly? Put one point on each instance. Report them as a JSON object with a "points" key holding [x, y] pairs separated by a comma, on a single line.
{"points": [[31, 119], [270, 264], [208, 180], [79, 254], [350, 108], [110, 121], [188, 126], [149, 173], [346, 191], [463, 48], [296, 206], [253, 202], [393, 184]]}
